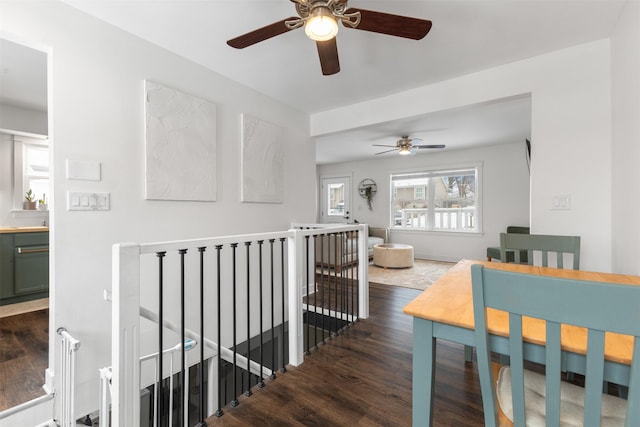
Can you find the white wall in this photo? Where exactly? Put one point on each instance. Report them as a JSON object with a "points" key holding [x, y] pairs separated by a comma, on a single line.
{"points": [[571, 134], [23, 119], [97, 114], [625, 45], [505, 197]]}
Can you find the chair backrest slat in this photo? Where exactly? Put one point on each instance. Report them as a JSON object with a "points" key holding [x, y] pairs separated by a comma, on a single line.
{"points": [[543, 244], [516, 350], [545, 259], [553, 352], [593, 382], [633, 409], [603, 307]]}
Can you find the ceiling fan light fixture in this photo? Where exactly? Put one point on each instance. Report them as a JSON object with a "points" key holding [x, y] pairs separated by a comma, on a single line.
{"points": [[321, 25], [404, 151]]}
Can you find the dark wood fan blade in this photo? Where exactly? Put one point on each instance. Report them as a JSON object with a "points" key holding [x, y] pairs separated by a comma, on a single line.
{"points": [[393, 25], [261, 34], [429, 146], [387, 151], [328, 53]]}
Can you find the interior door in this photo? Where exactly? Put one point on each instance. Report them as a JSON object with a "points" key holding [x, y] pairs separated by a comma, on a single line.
{"points": [[336, 199]]}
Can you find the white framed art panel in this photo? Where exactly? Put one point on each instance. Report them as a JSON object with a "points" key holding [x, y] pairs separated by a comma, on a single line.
{"points": [[180, 145], [262, 161]]}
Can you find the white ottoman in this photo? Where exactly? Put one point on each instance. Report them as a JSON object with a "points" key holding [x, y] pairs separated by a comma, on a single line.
{"points": [[393, 255]]}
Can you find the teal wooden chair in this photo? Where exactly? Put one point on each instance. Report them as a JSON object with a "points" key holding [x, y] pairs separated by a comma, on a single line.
{"points": [[542, 244], [520, 249], [493, 253], [545, 246], [524, 395]]}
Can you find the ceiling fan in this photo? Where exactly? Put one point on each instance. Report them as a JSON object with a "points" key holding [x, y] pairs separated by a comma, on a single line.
{"points": [[320, 19], [405, 146]]}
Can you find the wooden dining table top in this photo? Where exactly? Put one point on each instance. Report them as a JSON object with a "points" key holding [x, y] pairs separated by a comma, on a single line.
{"points": [[449, 301]]}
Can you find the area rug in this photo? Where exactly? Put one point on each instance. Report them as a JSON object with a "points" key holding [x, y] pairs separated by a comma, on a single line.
{"points": [[420, 276]]}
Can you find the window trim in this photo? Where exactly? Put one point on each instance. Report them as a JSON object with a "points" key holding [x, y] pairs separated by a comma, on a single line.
{"points": [[18, 146], [442, 170]]}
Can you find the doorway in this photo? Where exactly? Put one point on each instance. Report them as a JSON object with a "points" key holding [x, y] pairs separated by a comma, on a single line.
{"points": [[24, 124], [336, 199]]}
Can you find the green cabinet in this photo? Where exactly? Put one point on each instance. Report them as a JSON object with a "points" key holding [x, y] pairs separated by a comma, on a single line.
{"points": [[24, 266]]}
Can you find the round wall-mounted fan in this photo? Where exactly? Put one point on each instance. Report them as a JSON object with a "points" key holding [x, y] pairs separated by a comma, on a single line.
{"points": [[320, 19], [405, 146]]}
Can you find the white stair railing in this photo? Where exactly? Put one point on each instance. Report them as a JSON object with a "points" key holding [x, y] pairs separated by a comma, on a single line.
{"points": [[122, 383], [65, 391]]}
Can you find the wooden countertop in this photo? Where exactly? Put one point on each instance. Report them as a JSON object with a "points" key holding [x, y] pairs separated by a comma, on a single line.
{"points": [[33, 229]]}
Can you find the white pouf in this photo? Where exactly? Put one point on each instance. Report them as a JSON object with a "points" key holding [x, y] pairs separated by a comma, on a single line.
{"points": [[393, 255]]}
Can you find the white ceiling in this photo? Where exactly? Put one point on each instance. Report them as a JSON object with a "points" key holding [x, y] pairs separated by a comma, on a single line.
{"points": [[499, 122], [467, 36]]}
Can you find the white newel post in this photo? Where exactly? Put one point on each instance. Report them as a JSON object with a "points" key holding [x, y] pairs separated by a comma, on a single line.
{"points": [[295, 280], [125, 348], [363, 271]]}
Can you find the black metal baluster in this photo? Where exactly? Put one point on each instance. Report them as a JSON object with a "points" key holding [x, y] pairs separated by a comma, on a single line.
{"points": [[348, 279], [354, 263], [201, 339], [282, 240], [273, 328], [325, 284], [248, 392], [183, 361], [354, 276], [306, 241], [338, 256], [339, 281], [343, 257], [160, 386], [219, 411], [357, 287], [315, 298], [349, 288], [234, 402], [322, 239], [261, 380], [348, 274], [331, 255]]}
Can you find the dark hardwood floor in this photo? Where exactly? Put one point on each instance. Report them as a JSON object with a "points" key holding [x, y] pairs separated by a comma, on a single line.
{"points": [[24, 343], [363, 378]]}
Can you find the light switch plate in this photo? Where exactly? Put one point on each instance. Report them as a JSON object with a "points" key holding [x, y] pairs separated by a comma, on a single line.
{"points": [[561, 202], [88, 201]]}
